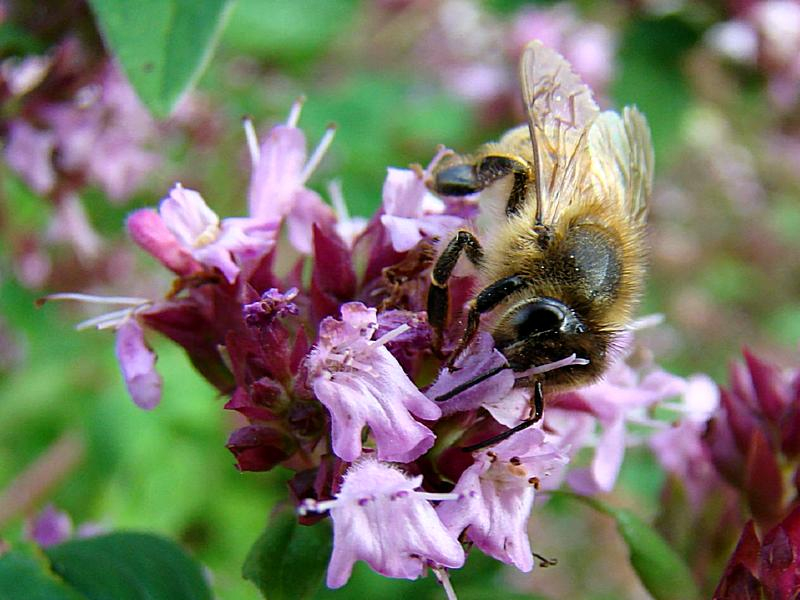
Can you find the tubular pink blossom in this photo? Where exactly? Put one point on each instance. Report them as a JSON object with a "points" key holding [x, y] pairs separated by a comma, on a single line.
{"points": [[277, 185], [226, 245], [621, 395], [137, 363], [380, 517], [147, 229], [361, 383], [411, 212], [496, 493]]}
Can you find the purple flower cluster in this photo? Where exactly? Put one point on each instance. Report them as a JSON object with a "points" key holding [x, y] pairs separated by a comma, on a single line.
{"points": [[471, 49], [313, 325], [764, 34]]}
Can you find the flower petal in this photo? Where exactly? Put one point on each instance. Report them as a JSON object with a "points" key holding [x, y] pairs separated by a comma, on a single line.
{"points": [[137, 363]]}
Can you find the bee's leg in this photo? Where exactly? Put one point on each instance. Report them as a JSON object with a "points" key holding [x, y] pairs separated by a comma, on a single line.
{"points": [[465, 179], [485, 301], [538, 409], [438, 300]]}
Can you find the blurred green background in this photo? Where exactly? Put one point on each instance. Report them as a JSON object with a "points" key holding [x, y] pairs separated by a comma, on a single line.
{"points": [[724, 265]]}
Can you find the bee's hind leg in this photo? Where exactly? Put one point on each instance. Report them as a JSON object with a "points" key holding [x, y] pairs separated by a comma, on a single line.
{"points": [[438, 299]]}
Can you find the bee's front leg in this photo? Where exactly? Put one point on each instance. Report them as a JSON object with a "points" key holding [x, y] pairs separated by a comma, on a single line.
{"points": [[438, 298], [486, 300], [468, 178]]}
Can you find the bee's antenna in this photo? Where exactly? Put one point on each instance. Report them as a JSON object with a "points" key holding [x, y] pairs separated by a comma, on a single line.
{"points": [[470, 383]]}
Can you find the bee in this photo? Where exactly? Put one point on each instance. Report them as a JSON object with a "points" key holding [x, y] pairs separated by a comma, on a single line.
{"points": [[565, 259]]}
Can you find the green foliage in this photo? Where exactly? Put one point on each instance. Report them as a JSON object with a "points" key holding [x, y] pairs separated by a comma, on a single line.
{"points": [[651, 76], [123, 566], [289, 32], [162, 45], [24, 573], [129, 566], [661, 570], [288, 560]]}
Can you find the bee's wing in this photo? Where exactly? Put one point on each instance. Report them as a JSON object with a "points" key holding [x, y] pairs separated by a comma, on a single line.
{"points": [[622, 161], [560, 108]]}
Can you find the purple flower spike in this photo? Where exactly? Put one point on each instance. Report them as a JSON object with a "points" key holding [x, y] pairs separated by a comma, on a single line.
{"points": [[496, 493], [138, 364], [50, 527], [361, 383], [380, 517]]}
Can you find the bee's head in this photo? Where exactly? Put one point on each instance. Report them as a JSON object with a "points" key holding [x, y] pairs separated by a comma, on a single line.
{"points": [[539, 331]]}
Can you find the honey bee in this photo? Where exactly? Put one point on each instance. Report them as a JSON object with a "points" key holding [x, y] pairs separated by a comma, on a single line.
{"points": [[564, 264]]}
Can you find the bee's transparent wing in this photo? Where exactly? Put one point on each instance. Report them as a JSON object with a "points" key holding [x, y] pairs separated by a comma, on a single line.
{"points": [[560, 108], [621, 154]]}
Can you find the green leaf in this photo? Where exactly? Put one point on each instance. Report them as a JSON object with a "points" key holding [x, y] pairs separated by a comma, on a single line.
{"points": [[129, 566], [286, 32], [661, 570], [651, 76], [288, 560], [162, 45], [25, 575]]}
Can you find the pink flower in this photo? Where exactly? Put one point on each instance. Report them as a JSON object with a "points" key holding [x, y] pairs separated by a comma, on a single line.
{"points": [[50, 527], [622, 394], [680, 448], [147, 229], [21, 75], [280, 172], [102, 133], [29, 151], [361, 383], [380, 517], [589, 47], [138, 365], [71, 224], [411, 212], [479, 358], [226, 244], [496, 493]]}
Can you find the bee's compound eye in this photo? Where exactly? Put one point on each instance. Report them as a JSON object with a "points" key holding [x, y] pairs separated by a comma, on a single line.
{"points": [[539, 317], [456, 181]]}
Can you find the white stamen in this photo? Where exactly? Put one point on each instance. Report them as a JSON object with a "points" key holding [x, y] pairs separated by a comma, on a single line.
{"points": [[106, 321], [442, 577], [337, 198], [646, 322], [388, 337], [435, 497], [319, 153], [252, 140], [564, 362], [310, 505], [92, 299], [294, 112]]}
